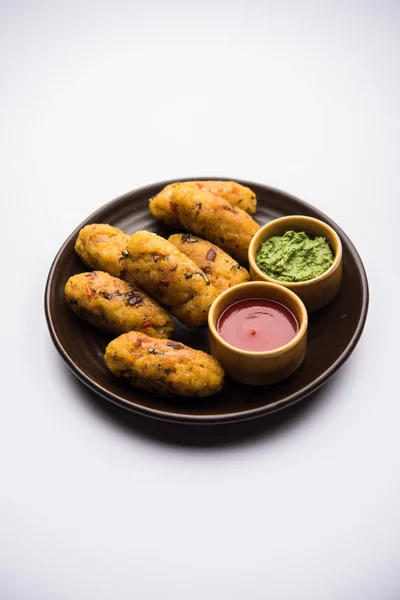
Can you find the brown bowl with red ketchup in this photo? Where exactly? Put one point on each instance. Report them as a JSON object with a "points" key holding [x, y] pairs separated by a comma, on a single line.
{"points": [[258, 332]]}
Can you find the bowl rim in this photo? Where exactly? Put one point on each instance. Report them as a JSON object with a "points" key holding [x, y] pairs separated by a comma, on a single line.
{"points": [[295, 284], [263, 353]]}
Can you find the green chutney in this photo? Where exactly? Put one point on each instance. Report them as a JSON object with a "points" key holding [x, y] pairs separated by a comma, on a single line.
{"points": [[294, 256]]}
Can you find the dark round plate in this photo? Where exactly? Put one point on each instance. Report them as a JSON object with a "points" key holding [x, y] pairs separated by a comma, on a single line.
{"points": [[332, 334]]}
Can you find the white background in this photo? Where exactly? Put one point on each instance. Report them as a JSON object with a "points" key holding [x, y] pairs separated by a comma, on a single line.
{"points": [[96, 100]]}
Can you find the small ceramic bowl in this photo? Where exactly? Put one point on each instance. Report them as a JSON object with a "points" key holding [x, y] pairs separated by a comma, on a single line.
{"points": [[258, 368], [315, 292]]}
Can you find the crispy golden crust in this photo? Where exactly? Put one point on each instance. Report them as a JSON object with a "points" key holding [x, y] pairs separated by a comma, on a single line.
{"points": [[101, 246], [237, 194], [163, 208], [113, 305], [171, 277], [169, 368], [221, 269], [211, 217]]}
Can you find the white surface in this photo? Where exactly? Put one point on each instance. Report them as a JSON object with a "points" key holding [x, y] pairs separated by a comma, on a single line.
{"points": [[97, 100]]}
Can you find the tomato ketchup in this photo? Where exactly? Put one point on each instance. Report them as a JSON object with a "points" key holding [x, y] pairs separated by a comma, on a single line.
{"points": [[257, 325]]}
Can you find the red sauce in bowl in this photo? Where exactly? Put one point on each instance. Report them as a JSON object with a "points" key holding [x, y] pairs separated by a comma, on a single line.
{"points": [[257, 325]]}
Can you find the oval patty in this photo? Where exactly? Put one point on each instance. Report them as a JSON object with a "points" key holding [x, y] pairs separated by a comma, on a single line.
{"points": [[112, 305], [171, 277], [221, 269], [101, 246], [211, 217], [163, 207], [167, 367]]}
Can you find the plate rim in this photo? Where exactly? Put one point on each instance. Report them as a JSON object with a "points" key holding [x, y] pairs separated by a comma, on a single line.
{"points": [[208, 419]]}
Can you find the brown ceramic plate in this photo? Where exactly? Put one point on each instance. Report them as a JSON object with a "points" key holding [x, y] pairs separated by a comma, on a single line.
{"points": [[333, 331]]}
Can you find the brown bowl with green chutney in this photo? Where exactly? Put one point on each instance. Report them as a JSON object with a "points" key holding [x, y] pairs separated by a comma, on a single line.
{"points": [[301, 253]]}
